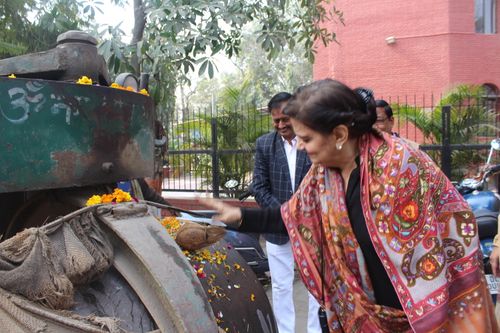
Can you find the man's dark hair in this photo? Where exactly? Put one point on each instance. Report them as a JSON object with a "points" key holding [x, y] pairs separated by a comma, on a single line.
{"points": [[277, 99], [380, 103]]}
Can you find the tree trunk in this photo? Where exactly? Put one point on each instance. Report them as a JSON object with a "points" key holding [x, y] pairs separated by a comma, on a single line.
{"points": [[137, 32]]}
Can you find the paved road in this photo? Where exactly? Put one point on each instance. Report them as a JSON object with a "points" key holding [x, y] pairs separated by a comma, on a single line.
{"points": [[301, 302], [300, 299]]}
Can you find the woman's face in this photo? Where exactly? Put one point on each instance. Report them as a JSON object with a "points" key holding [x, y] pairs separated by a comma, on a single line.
{"points": [[319, 147]]}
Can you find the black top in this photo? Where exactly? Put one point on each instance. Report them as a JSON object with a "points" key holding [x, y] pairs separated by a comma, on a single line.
{"points": [[150, 194], [269, 220]]}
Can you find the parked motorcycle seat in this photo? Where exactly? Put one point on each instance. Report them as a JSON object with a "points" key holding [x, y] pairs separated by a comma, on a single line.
{"points": [[486, 222]]}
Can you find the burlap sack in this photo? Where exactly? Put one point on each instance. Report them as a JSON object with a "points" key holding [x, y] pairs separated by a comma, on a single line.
{"points": [[44, 264]]}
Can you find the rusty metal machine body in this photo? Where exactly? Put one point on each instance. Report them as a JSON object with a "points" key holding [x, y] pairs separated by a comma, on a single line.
{"points": [[57, 135], [74, 56], [61, 142]]}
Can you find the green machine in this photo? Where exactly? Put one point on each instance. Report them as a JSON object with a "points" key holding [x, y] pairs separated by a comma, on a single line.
{"points": [[58, 134], [62, 142]]}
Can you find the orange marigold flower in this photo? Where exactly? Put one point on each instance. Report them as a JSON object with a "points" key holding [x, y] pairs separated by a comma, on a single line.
{"points": [[129, 88], [117, 196], [121, 196], [107, 198], [172, 224]]}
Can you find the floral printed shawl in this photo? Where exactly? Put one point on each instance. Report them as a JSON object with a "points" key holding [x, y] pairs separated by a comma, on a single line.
{"points": [[422, 230]]}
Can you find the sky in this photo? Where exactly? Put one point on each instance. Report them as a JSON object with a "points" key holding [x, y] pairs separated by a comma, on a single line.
{"points": [[113, 15]]}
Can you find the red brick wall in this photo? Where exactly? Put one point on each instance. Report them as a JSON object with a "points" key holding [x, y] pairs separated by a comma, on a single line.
{"points": [[436, 47], [408, 131]]}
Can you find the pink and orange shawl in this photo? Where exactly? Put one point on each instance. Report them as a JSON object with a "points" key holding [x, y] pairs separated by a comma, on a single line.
{"points": [[422, 230]]}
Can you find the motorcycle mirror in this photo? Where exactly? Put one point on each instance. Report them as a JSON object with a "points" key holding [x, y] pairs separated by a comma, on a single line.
{"points": [[495, 144], [231, 184]]}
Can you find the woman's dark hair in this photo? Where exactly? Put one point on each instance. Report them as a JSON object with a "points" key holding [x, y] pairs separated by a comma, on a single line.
{"points": [[325, 104]]}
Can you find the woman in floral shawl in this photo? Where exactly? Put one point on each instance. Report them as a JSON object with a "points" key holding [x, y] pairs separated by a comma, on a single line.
{"points": [[380, 236]]}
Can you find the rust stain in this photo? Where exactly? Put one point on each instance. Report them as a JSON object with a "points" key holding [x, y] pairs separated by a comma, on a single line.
{"points": [[68, 164]]}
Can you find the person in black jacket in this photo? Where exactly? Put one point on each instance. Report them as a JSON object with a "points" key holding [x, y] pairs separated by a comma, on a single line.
{"points": [[279, 169]]}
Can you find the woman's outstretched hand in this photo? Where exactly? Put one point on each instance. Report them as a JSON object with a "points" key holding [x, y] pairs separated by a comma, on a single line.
{"points": [[228, 214], [494, 261]]}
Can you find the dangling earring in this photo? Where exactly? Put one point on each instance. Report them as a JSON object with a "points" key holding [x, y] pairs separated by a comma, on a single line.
{"points": [[339, 146]]}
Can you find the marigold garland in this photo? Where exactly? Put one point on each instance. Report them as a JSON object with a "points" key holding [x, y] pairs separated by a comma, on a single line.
{"points": [[115, 85], [86, 80], [172, 224], [117, 196]]}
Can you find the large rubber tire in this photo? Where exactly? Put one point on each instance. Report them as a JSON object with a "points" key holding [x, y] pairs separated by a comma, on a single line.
{"points": [[111, 296]]}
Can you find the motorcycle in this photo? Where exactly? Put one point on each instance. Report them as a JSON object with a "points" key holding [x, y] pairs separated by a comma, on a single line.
{"points": [[485, 205], [248, 244]]}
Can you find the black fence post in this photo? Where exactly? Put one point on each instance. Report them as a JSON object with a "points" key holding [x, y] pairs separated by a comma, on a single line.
{"points": [[446, 148], [215, 159]]}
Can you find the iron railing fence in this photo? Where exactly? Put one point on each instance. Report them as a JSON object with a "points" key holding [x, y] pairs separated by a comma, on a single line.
{"points": [[213, 151]]}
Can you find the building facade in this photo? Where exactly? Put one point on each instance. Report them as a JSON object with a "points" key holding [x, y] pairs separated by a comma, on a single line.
{"points": [[412, 49]]}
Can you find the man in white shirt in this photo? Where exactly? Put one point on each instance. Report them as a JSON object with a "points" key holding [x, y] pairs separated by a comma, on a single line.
{"points": [[279, 169]]}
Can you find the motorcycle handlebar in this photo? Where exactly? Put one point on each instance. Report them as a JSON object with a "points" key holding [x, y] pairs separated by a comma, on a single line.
{"points": [[495, 169], [245, 195], [491, 171]]}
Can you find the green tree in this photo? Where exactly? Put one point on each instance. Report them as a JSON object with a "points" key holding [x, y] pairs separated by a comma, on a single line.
{"points": [[471, 121], [238, 126], [286, 72], [169, 37], [33, 25], [185, 35]]}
